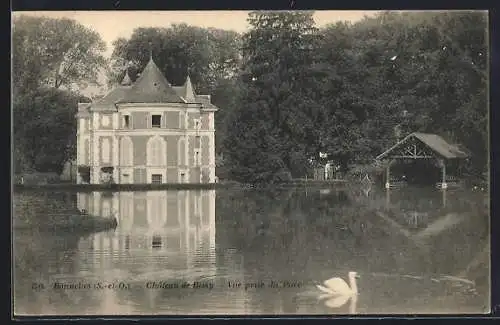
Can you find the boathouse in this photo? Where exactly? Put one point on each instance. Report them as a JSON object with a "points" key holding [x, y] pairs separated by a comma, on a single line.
{"points": [[423, 158]]}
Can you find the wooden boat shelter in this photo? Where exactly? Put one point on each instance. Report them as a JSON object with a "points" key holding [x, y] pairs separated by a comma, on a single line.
{"points": [[422, 146]]}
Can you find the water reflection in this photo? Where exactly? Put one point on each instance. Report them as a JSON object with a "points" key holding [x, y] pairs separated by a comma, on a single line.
{"points": [[164, 237], [318, 235], [161, 236], [412, 252], [160, 221]]}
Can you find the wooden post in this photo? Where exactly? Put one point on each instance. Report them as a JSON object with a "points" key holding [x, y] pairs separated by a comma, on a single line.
{"points": [[443, 176], [388, 176], [387, 198], [444, 199]]}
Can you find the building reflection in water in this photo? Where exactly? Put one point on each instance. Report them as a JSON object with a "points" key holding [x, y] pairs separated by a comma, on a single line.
{"points": [[161, 235], [171, 221]]}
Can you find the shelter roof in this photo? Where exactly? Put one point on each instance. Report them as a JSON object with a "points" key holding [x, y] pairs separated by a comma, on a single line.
{"points": [[433, 141]]}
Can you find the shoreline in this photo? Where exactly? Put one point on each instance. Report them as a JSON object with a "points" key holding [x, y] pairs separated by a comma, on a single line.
{"points": [[174, 186], [73, 223]]}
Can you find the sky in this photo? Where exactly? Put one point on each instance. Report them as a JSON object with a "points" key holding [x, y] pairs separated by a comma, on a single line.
{"points": [[114, 24]]}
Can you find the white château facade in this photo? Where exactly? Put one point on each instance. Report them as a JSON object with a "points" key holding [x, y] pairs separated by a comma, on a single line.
{"points": [[147, 132]]}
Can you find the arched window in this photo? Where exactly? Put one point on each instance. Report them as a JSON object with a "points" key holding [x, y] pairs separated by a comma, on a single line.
{"points": [[105, 151], [156, 151], [126, 152]]}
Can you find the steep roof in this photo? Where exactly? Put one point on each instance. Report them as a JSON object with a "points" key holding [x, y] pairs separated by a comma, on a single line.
{"points": [[151, 87], [180, 90], [440, 145], [434, 142], [188, 86], [109, 100], [186, 91], [126, 80], [206, 101], [83, 110]]}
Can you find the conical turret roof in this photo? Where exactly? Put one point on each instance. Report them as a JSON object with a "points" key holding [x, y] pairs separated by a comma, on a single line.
{"points": [[189, 92], [151, 87], [126, 80]]}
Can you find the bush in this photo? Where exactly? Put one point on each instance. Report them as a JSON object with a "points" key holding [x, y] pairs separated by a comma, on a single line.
{"points": [[37, 178], [84, 172]]}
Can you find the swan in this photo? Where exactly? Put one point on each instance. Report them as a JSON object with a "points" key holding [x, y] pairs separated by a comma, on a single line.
{"points": [[338, 290], [337, 286]]}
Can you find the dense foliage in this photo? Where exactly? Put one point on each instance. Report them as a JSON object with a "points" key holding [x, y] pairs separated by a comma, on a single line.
{"points": [[47, 64], [44, 129], [54, 52], [352, 89], [272, 132]]}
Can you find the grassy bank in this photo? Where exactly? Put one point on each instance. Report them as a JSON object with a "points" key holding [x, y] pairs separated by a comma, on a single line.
{"points": [[113, 187], [175, 186]]}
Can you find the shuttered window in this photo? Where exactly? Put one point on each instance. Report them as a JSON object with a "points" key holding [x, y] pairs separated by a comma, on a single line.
{"points": [[105, 151], [156, 152], [126, 152]]}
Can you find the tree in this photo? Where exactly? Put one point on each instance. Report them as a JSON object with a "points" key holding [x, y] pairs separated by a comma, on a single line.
{"points": [[339, 74], [408, 71], [209, 55], [225, 59], [54, 52], [44, 129], [225, 96], [49, 55], [464, 35], [363, 87], [273, 126]]}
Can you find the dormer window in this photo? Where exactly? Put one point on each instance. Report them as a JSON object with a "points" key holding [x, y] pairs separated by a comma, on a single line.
{"points": [[155, 121]]}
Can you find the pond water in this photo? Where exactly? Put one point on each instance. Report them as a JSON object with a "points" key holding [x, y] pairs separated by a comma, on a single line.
{"points": [[415, 251]]}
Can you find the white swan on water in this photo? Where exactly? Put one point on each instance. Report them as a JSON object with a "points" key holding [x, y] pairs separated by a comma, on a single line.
{"points": [[338, 290]]}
